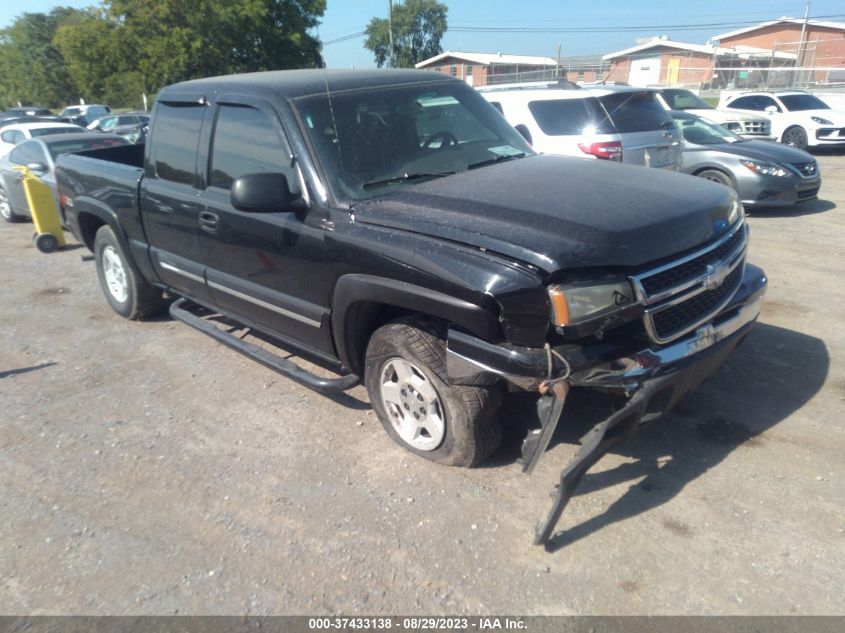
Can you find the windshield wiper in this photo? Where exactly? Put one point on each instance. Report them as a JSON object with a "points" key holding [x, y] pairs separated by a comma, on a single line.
{"points": [[490, 161], [406, 178]]}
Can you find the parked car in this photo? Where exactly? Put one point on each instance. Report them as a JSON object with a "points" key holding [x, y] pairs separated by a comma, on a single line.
{"points": [[129, 125], [39, 156], [84, 114], [113, 122], [747, 125], [392, 226], [761, 172], [25, 111], [798, 118], [11, 135], [617, 123]]}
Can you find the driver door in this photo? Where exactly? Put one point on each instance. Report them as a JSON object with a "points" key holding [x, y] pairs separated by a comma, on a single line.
{"points": [[267, 268]]}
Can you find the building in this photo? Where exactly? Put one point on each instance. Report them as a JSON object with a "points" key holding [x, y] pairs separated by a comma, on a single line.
{"points": [[481, 69], [660, 61], [818, 46]]}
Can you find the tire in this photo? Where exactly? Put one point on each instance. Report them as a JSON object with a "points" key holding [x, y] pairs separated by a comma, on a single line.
{"points": [[127, 292], [46, 242], [714, 175], [6, 208], [460, 424], [796, 136]]}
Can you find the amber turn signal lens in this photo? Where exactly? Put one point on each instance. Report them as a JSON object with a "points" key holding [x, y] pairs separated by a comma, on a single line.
{"points": [[560, 309]]}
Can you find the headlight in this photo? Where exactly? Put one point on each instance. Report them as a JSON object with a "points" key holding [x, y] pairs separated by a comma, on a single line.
{"points": [[818, 119], [737, 211], [576, 303], [765, 169], [733, 126]]}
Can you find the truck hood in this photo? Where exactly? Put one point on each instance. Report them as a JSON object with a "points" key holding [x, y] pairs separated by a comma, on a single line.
{"points": [[560, 213]]}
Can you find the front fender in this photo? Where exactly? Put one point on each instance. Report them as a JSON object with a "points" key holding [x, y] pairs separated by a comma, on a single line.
{"points": [[359, 289]]}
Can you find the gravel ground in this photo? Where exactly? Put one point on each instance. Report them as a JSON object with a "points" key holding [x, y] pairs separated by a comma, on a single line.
{"points": [[145, 469]]}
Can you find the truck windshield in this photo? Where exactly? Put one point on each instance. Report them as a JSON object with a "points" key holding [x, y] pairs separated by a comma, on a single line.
{"points": [[370, 140]]}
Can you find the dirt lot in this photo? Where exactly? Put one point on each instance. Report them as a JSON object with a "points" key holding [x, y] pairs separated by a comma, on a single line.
{"points": [[145, 469]]}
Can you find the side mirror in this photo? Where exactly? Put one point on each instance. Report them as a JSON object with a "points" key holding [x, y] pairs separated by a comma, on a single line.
{"points": [[38, 168], [771, 110], [262, 193]]}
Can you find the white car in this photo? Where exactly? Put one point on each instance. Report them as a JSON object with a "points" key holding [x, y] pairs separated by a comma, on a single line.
{"points": [[617, 123], [798, 118], [750, 126], [84, 114], [17, 133]]}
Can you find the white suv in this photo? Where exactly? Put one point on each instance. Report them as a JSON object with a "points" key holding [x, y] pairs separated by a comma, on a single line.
{"points": [[798, 118], [617, 123], [753, 127]]}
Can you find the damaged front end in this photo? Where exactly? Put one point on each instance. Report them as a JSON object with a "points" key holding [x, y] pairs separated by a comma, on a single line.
{"points": [[651, 373]]}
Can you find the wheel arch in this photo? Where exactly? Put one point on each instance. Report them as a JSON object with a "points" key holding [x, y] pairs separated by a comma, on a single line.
{"points": [[362, 303], [721, 170]]}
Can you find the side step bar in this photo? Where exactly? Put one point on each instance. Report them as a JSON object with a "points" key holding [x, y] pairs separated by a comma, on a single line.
{"points": [[266, 358]]}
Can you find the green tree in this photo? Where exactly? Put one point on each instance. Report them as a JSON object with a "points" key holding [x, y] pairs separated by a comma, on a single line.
{"points": [[418, 27], [175, 40], [32, 70], [93, 52]]}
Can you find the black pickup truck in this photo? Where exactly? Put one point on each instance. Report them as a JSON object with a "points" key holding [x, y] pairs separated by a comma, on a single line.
{"points": [[392, 227]]}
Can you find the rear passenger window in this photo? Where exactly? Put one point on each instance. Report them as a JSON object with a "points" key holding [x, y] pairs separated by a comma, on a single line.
{"points": [[560, 117], [636, 112], [246, 142], [177, 133]]}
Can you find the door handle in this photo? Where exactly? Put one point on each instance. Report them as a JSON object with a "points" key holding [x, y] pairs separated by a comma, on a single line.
{"points": [[209, 221]]}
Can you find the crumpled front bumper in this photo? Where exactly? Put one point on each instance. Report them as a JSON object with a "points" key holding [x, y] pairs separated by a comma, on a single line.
{"points": [[654, 378]]}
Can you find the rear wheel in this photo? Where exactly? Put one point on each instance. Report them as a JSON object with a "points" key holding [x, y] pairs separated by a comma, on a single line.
{"points": [[405, 375], [126, 290], [795, 136], [6, 208], [714, 175]]}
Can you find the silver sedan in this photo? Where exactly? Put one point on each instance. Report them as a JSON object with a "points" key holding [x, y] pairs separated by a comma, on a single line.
{"points": [[39, 156], [763, 173]]}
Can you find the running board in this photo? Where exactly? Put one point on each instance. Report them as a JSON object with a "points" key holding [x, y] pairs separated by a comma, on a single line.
{"points": [[261, 355]]}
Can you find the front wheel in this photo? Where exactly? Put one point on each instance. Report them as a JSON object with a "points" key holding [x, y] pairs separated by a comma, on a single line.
{"points": [[713, 175], [127, 292], [795, 136], [405, 375]]}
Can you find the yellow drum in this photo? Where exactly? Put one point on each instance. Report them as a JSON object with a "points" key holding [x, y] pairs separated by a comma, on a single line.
{"points": [[48, 226]]}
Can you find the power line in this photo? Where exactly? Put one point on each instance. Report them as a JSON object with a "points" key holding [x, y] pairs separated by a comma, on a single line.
{"points": [[585, 29]]}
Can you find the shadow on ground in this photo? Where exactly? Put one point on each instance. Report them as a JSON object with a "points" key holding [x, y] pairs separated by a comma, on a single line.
{"points": [[24, 370], [811, 207], [771, 375]]}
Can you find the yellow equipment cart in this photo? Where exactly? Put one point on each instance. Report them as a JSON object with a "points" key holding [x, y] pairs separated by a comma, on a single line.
{"points": [[48, 234]]}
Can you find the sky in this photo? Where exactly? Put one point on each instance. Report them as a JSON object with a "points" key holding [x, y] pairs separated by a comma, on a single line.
{"points": [[644, 18]]}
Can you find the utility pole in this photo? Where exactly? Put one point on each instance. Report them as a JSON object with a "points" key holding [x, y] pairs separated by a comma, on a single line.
{"points": [[801, 47], [390, 29], [557, 65]]}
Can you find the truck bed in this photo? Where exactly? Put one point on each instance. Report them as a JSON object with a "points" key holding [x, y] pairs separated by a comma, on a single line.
{"points": [[106, 178]]}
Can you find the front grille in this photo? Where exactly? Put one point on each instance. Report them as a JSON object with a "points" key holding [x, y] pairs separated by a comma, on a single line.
{"points": [[683, 295], [757, 128], [808, 193], [676, 319], [807, 170], [693, 268]]}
